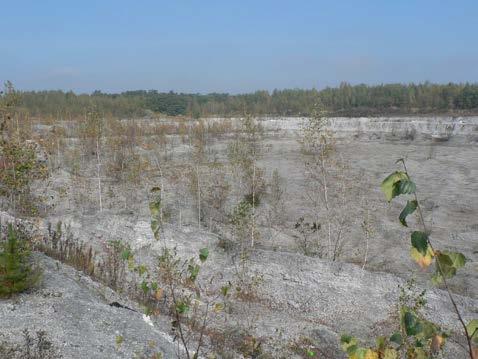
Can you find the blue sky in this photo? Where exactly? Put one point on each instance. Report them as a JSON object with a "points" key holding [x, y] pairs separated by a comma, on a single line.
{"points": [[235, 46]]}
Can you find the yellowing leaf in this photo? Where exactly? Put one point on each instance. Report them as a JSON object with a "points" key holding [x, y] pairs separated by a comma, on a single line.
{"points": [[390, 353], [418, 353], [389, 184], [423, 260], [370, 354], [437, 343], [218, 307]]}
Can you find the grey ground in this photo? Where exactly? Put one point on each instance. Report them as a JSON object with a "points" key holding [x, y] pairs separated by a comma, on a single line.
{"points": [[299, 296]]}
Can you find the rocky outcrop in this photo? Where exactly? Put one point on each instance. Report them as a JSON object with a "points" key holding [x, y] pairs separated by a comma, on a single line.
{"points": [[75, 314], [296, 297], [463, 129]]}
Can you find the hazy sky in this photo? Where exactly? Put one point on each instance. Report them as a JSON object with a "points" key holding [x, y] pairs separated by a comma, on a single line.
{"points": [[235, 46]]}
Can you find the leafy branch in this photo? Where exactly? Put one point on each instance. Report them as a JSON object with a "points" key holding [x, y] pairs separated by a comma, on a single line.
{"points": [[423, 252]]}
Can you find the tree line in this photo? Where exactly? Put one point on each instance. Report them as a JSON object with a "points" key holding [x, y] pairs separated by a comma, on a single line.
{"points": [[344, 100]]}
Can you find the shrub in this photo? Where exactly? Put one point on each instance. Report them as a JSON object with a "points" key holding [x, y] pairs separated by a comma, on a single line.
{"points": [[16, 271]]}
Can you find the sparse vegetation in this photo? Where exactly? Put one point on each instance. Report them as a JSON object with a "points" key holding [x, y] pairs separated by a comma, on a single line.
{"points": [[19, 164], [418, 337], [31, 347], [327, 187], [215, 179]]}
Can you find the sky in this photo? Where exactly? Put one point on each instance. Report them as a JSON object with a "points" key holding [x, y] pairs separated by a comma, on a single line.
{"points": [[203, 46]]}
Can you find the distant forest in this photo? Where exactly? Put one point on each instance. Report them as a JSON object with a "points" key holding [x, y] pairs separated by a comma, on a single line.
{"points": [[345, 100]]}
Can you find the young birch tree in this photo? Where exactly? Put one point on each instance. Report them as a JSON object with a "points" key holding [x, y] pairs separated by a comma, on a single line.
{"points": [[91, 133], [326, 182], [243, 154]]}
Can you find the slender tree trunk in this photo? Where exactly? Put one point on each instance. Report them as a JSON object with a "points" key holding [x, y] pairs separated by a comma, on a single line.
{"points": [[367, 235], [98, 169], [326, 202], [199, 197], [13, 191], [162, 187], [253, 203], [161, 197], [58, 152]]}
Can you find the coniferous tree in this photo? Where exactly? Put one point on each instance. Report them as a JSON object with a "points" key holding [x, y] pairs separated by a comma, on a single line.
{"points": [[16, 271]]}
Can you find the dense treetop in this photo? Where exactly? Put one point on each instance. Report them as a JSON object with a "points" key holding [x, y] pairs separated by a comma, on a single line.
{"points": [[345, 100]]}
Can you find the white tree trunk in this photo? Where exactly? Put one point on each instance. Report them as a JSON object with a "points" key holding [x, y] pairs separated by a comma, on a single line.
{"points": [[199, 197], [98, 170], [326, 202], [253, 203]]}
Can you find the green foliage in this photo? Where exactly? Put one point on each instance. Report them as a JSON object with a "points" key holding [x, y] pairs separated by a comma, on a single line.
{"points": [[16, 271], [447, 264], [19, 162], [117, 252], [203, 254], [189, 306], [396, 338], [243, 154], [119, 340], [19, 165], [416, 337], [18, 168], [155, 211], [420, 242], [241, 213], [472, 328], [182, 307], [193, 270], [399, 183], [408, 210], [345, 100], [392, 184]]}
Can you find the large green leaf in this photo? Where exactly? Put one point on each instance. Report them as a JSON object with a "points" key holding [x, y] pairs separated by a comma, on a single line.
{"points": [[409, 209], [203, 254], [429, 329], [448, 263], [390, 186], [457, 259], [406, 186], [420, 242], [396, 338], [411, 323]]}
